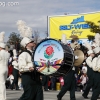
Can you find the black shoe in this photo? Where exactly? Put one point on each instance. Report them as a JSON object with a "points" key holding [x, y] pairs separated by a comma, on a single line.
{"points": [[85, 96], [58, 98], [46, 90], [17, 89], [98, 97]]}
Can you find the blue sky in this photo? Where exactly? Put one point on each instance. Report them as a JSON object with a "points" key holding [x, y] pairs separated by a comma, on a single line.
{"points": [[35, 12]]}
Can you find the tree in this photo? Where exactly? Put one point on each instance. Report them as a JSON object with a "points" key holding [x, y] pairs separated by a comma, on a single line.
{"points": [[90, 37], [13, 38], [36, 36], [93, 28]]}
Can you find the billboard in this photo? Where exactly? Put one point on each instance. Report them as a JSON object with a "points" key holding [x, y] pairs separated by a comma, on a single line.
{"points": [[72, 25]]}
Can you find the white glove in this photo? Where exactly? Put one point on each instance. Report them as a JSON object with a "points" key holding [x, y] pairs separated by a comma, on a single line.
{"points": [[76, 57]]}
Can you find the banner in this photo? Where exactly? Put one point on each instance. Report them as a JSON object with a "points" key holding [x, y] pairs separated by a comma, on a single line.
{"points": [[72, 25]]}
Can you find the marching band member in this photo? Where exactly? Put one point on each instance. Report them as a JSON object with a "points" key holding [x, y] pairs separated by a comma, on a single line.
{"points": [[95, 67], [93, 64], [4, 57], [69, 85], [96, 86], [15, 71], [89, 70], [30, 79], [69, 82], [74, 45]]}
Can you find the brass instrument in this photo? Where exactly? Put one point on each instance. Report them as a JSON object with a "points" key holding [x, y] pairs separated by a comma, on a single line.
{"points": [[77, 53], [80, 57]]}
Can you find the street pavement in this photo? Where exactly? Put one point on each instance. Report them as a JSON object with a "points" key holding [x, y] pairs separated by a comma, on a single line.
{"points": [[48, 95]]}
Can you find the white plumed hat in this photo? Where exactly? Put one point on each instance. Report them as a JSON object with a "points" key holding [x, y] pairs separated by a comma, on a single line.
{"points": [[90, 51], [96, 50], [25, 32], [2, 44], [87, 45], [93, 44], [97, 43], [25, 41], [97, 39]]}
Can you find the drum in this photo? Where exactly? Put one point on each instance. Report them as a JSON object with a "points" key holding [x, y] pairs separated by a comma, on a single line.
{"points": [[51, 57]]}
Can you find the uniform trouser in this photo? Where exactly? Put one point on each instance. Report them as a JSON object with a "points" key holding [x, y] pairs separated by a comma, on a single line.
{"points": [[68, 86], [3, 77], [32, 89], [45, 80], [95, 94], [88, 87], [2, 91], [96, 86], [15, 81]]}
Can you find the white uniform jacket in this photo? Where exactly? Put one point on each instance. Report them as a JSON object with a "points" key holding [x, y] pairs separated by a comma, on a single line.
{"points": [[89, 61], [98, 63], [4, 57], [15, 64], [25, 62], [92, 63]]}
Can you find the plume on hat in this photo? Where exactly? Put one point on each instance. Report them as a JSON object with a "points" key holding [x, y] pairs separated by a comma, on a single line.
{"points": [[97, 39], [2, 36], [87, 45], [24, 30], [64, 40]]}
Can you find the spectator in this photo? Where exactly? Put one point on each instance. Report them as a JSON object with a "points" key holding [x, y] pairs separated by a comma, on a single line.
{"points": [[84, 68], [61, 80], [53, 83], [83, 79]]}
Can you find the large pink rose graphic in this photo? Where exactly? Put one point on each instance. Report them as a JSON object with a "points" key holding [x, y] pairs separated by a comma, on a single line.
{"points": [[49, 50]]}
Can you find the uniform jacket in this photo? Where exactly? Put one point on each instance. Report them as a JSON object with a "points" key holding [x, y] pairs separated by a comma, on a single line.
{"points": [[25, 62], [98, 63], [92, 63], [4, 57]]}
